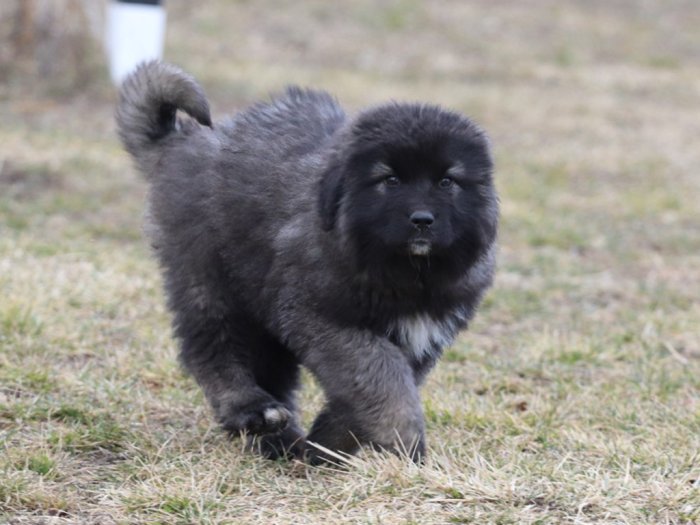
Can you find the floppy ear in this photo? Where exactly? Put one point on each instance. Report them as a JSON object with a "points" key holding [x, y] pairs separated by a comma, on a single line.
{"points": [[331, 193]]}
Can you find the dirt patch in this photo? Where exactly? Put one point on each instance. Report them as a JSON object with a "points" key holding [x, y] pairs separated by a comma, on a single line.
{"points": [[26, 182]]}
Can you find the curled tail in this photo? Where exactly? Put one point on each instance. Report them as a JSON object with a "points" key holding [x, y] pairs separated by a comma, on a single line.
{"points": [[146, 112]]}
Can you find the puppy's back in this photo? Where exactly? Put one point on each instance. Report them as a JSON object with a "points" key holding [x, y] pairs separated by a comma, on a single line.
{"points": [[295, 123]]}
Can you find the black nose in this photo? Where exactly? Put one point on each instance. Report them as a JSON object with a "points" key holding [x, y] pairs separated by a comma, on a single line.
{"points": [[422, 219]]}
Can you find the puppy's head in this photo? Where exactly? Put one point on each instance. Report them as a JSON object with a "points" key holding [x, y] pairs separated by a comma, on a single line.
{"points": [[412, 183]]}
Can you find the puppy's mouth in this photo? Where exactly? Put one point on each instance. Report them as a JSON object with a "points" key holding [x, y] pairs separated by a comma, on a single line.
{"points": [[420, 247]]}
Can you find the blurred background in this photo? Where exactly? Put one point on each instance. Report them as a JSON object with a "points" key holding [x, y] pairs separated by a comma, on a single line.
{"points": [[586, 347]]}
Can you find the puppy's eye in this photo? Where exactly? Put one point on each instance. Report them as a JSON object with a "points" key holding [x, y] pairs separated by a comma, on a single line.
{"points": [[446, 182], [392, 180]]}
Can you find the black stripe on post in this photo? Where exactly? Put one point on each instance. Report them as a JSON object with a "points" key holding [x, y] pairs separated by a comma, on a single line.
{"points": [[144, 2]]}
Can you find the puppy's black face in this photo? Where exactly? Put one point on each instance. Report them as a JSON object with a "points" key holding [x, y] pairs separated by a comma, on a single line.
{"points": [[417, 190], [418, 201]]}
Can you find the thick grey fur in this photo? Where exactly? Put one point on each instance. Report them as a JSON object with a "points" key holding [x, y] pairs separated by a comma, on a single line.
{"points": [[287, 235]]}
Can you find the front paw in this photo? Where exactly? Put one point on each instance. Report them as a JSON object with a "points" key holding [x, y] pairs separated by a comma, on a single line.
{"points": [[260, 419], [414, 451], [340, 429], [287, 444], [317, 454]]}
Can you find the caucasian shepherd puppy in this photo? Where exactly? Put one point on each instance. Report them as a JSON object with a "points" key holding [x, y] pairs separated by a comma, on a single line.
{"points": [[291, 234]]}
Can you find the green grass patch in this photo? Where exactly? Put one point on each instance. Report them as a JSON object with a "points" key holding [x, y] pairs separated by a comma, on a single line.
{"points": [[16, 321], [41, 464]]}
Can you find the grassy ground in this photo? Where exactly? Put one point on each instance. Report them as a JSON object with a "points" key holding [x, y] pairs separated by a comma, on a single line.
{"points": [[575, 396]]}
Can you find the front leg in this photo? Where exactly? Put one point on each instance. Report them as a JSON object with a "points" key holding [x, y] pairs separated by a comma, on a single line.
{"points": [[371, 394]]}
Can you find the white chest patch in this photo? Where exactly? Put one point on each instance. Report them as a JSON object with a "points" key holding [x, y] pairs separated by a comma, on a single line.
{"points": [[421, 335]]}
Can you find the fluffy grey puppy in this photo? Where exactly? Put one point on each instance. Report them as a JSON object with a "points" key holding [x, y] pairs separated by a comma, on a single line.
{"points": [[290, 234]]}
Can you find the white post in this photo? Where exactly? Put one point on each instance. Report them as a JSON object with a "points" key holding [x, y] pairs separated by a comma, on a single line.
{"points": [[135, 32]]}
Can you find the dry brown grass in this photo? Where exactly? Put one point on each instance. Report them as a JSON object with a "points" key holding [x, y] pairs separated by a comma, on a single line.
{"points": [[575, 396]]}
